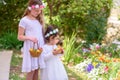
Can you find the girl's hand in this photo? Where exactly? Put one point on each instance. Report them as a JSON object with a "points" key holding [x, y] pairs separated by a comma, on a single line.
{"points": [[56, 52], [33, 39], [60, 49]]}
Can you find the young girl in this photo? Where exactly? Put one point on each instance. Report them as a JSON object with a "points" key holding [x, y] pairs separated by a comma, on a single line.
{"points": [[31, 32], [54, 69]]}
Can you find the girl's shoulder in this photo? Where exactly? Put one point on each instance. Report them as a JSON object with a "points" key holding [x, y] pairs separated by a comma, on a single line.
{"points": [[49, 46], [45, 45], [23, 19]]}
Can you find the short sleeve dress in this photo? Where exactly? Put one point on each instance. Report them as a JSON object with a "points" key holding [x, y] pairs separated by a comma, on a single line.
{"points": [[32, 28], [54, 69]]}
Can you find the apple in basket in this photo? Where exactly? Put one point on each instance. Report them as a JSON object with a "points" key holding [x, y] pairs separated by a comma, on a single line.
{"points": [[40, 50], [31, 50], [35, 52]]}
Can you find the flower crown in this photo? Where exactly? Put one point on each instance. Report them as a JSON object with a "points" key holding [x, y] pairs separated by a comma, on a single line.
{"points": [[36, 6], [51, 32]]}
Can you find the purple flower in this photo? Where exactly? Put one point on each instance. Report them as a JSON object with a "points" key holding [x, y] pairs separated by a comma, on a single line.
{"points": [[85, 50], [89, 67]]}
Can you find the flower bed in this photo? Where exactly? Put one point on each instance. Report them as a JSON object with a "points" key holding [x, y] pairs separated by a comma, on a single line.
{"points": [[99, 64], [95, 70]]}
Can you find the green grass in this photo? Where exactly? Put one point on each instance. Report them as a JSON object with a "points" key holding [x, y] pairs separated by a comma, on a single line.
{"points": [[16, 59], [15, 68], [16, 77], [72, 75]]}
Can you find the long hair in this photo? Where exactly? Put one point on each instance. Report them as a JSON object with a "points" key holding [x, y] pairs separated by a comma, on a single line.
{"points": [[40, 17]]}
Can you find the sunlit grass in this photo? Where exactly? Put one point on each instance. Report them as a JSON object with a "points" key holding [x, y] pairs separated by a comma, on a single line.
{"points": [[72, 75], [15, 67], [16, 74]]}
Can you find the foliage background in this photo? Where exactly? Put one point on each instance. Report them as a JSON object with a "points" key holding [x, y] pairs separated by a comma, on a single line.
{"points": [[88, 18]]}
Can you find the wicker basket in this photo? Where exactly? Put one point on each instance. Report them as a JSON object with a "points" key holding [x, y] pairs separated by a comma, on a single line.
{"points": [[35, 52]]}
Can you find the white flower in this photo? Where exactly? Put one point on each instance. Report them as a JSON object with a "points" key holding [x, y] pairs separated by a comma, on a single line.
{"points": [[37, 6], [56, 30], [29, 8], [44, 4], [51, 32], [47, 35], [83, 41]]}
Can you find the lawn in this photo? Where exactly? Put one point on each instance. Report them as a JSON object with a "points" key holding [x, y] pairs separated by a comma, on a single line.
{"points": [[15, 68]]}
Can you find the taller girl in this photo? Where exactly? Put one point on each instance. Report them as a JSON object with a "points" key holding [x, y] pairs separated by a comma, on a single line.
{"points": [[31, 31]]}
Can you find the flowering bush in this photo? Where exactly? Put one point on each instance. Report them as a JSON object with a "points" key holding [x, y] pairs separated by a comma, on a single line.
{"points": [[98, 70], [99, 64]]}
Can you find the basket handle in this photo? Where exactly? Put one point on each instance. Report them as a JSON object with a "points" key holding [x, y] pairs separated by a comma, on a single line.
{"points": [[34, 45]]}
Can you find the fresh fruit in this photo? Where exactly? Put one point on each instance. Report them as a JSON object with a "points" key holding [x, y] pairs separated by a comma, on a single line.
{"points": [[38, 51], [35, 52], [59, 48], [31, 49]]}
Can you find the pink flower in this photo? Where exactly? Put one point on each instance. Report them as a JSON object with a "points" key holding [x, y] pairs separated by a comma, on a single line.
{"points": [[106, 69], [42, 6], [97, 46], [32, 6]]}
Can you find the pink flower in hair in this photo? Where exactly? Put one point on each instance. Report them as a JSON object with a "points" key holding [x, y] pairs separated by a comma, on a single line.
{"points": [[42, 6], [36, 6], [32, 6]]}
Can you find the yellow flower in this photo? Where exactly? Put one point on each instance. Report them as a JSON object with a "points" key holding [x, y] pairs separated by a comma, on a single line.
{"points": [[94, 64]]}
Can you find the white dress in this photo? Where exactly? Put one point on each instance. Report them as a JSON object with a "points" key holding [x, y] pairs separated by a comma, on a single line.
{"points": [[32, 28], [54, 69]]}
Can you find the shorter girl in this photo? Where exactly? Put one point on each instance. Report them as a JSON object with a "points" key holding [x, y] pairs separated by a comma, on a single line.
{"points": [[54, 68]]}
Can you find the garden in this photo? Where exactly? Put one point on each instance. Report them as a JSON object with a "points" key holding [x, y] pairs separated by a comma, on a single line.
{"points": [[83, 28]]}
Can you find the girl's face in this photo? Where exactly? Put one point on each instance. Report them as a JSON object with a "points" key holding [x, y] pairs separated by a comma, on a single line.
{"points": [[35, 12], [54, 40]]}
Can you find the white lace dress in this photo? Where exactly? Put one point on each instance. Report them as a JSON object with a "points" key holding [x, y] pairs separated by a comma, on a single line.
{"points": [[32, 28], [54, 69]]}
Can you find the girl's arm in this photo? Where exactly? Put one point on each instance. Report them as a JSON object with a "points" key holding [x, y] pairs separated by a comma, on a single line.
{"points": [[50, 55], [22, 37]]}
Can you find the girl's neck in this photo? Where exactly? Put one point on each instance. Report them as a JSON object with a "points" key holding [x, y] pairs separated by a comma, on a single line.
{"points": [[31, 17]]}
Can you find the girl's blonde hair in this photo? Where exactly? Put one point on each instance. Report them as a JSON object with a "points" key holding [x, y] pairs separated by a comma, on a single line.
{"points": [[40, 17]]}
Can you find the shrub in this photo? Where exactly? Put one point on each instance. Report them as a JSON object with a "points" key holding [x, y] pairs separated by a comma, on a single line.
{"points": [[9, 41]]}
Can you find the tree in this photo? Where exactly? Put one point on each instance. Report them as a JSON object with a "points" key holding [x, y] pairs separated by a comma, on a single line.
{"points": [[11, 12], [86, 17]]}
